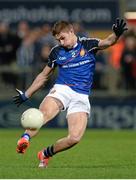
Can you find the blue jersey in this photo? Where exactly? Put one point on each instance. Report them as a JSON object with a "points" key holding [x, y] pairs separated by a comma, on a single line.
{"points": [[76, 65]]}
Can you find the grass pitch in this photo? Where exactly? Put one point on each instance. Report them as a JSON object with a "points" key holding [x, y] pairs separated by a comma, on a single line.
{"points": [[101, 154]]}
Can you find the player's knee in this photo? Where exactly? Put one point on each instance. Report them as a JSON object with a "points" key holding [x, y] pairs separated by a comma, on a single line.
{"points": [[46, 114], [73, 139]]}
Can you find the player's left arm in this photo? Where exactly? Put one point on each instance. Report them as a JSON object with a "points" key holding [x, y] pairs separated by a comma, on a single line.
{"points": [[118, 29]]}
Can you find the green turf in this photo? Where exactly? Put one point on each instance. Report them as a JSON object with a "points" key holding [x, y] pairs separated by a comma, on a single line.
{"points": [[100, 154]]}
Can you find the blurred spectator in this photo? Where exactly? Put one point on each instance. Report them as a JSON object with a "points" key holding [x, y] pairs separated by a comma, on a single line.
{"points": [[44, 55], [43, 59], [46, 36], [26, 49], [43, 45], [128, 62], [9, 43], [23, 29], [114, 74], [100, 68], [79, 30], [26, 52], [41, 56]]}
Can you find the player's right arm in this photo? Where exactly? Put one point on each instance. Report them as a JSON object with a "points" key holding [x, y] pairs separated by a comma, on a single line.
{"points": [[39, 81]]}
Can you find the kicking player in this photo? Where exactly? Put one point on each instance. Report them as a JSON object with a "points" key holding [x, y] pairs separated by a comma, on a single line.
{"points": [[75, 58]]}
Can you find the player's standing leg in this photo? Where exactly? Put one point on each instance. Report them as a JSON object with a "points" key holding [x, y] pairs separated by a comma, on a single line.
{"points": [[77, 123]]}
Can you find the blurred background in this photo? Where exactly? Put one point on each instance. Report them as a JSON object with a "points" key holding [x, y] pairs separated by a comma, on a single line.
{"points": [[25, 43]]}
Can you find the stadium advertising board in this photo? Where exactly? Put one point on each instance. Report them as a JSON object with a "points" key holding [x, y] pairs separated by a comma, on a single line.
{"points": [[106, 113], [91, 13]]}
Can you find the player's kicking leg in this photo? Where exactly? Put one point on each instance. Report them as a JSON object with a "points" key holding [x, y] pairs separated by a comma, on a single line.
{"points": [[24, 142], [50, 109], [76, 124]]}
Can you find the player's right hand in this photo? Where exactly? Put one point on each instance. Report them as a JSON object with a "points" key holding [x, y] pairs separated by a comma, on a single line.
{"points": [[20, 98]]}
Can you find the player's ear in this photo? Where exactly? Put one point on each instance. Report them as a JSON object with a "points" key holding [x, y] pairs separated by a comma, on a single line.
{"points": [[71, 30]]}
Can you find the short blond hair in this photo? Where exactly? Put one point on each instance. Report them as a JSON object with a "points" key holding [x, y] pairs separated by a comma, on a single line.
{"points": [[61, 26]]}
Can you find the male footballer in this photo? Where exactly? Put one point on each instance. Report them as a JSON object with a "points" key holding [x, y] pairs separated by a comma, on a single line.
{"points": [[75, 59]]}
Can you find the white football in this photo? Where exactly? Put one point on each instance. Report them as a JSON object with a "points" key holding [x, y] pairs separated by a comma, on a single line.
{"points": [[32, 118]]}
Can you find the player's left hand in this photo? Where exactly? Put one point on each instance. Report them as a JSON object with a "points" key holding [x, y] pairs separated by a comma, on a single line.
{"points": [[119, 27], [20, 98]]}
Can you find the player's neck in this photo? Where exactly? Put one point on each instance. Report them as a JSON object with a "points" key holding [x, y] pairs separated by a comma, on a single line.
{"points": [[74, 41]]}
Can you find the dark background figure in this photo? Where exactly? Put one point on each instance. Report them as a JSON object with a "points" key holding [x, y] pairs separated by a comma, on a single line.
{"points": [[100, 67], [128, 62], [9, 43], [79, 30]]}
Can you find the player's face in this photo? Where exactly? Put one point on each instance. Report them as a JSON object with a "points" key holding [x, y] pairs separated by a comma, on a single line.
{"points": [[66, 38]]}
